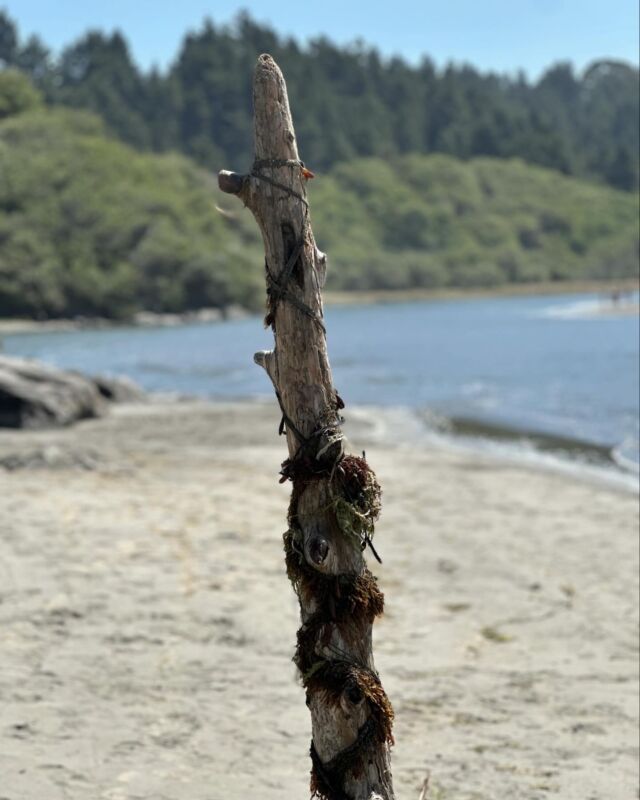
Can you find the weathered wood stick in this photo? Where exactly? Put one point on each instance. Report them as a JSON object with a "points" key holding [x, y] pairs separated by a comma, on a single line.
{"points": [[335, 498]]}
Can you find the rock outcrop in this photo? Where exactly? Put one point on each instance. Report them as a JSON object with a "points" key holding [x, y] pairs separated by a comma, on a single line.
{"points": [[36, 395]]}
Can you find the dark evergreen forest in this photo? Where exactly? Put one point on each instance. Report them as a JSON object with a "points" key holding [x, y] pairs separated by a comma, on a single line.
{"points": [[348, 102]]}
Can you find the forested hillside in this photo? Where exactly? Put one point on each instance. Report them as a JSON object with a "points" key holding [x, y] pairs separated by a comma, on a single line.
{"points": [[434, 221], [347, 102], [89, 226]]}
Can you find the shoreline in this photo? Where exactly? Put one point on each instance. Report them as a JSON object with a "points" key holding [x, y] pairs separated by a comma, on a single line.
{"points": [[142, 319], [538, 449], [146, 319], [541, 289], [480, 439], [499, 443], [610, 463], [477, 438]]}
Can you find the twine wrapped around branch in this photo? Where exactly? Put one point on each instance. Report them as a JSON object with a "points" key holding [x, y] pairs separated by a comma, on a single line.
{"points": [[335, 497]]}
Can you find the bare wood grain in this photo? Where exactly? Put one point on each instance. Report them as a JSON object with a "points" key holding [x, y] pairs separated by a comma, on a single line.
{"points": [[299, 369]]}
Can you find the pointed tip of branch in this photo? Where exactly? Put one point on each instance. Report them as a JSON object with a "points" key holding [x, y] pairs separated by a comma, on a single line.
{"points": [[267, 70], [273, 127]]}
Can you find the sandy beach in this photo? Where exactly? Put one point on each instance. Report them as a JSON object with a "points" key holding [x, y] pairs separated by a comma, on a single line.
{"points": [[147, 625]]}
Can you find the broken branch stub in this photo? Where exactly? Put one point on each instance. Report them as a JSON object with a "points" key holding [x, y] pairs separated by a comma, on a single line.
{"points": [[335, 498]]}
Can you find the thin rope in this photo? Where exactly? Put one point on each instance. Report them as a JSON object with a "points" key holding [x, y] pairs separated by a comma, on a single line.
{"points": [[329, 777], [278, 286]]}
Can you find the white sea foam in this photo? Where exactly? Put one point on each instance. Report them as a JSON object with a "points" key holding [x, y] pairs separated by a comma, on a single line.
{"points": [[596, 307], [403, 425], [621, 455], [527, 454]]}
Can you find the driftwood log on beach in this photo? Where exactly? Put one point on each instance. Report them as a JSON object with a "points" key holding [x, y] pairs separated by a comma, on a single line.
{"points": [[335, 498], [36, 395]]}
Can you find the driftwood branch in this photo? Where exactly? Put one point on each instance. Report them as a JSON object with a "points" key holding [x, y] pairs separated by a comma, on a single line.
{"points": [[231, 182], [335, 497]]}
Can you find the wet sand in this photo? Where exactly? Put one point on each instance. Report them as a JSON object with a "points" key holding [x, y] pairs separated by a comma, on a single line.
{"points": [[147, 625]]}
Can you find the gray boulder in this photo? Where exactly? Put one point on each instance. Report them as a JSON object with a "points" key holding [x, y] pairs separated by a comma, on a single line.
{"points": [[35, 395]]}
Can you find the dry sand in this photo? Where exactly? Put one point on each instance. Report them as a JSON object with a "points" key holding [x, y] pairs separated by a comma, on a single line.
{"points": [[147, 625]]}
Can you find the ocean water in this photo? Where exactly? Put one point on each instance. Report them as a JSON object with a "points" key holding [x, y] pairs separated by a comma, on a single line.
{"points": [[550, 374]]}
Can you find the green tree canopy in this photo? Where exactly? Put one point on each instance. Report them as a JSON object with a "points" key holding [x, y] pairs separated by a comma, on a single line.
{"points": [[17, 93], [348, 102], [89, 226]]}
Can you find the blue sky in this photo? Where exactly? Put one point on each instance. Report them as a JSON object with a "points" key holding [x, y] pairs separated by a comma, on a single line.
{"points": [[502, 35]]}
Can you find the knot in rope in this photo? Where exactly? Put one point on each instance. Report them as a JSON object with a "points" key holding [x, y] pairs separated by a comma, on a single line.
{"points": [[278, 285]]}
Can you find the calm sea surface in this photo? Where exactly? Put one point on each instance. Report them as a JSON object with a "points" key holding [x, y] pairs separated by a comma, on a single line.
{"points": [[550, 366]]}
